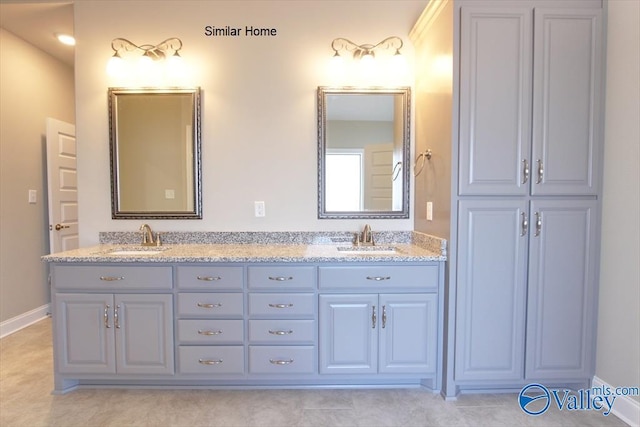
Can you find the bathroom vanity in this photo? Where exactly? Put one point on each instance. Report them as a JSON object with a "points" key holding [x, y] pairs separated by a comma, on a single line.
{"points": [[248, 315]]}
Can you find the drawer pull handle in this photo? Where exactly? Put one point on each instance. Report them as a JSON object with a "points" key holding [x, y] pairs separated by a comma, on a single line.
{"points": [[208, 333], [378, 278], [280, 361], [289, 332], [209, 278], [206, 305], [111, 278], [280, 305], [209, 361], [280, 278]]}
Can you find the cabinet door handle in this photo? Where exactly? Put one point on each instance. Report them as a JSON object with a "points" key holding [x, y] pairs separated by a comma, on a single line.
{"points": [[378, 278], [540, 172], [106, 316], [384, 316], [208, 305], [373, 318], [111, 278], [280, 278], [281, 361], [116, 317], [272, 332], [525, 224], [280, 305], [209, 361], [538, 223], [525, 171], [209, 333], [209, 278]]}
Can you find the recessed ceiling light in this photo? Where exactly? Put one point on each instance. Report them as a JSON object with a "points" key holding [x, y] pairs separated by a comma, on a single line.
{"points": [[66, 39]]}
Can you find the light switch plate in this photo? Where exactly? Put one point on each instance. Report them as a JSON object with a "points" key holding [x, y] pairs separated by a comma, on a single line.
{"points": [[259, 209], [33, 196]]}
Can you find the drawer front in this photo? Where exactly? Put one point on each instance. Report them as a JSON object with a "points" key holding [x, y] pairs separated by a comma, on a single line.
{"points": [[205, 331], [371, 278], [281, 305], [211, 278], [212, 304], [111, 277], [282, 331], [211, 360], [281, 359], [282, 278]]}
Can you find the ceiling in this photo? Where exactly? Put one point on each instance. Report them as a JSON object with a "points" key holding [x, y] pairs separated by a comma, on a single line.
{"points": [[37, 22]]}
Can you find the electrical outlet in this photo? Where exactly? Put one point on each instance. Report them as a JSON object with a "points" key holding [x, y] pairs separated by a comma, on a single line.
{"points": [[33, 196], [169, 194], [259, 209], [429, 211]]}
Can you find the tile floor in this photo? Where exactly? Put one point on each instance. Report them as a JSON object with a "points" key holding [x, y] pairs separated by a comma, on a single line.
{"points": [[26, 382]]}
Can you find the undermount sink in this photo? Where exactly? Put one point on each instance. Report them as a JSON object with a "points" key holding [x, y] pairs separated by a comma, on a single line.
{"points": [[130, 252], [367, 250]]}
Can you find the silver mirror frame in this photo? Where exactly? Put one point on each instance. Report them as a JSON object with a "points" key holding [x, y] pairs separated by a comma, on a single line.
{"points": [[322, 93], [196, 212]]}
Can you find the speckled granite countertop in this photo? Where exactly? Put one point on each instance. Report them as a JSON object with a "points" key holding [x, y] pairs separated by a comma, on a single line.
{"points": [[256, 247]]}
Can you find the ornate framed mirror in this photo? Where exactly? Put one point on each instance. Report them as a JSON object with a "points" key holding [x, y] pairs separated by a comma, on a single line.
{"points": [[363, 152], [154, 139]]}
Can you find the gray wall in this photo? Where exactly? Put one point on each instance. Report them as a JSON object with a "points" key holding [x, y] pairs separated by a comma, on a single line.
{"points": [[34, 86], [618, 356]]}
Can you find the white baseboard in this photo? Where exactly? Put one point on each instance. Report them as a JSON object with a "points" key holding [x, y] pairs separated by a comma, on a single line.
{"points": [[23, 320], [625, 408]]}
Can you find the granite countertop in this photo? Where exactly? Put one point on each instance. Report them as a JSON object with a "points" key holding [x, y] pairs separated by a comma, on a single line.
{"points": [[306, 248]]}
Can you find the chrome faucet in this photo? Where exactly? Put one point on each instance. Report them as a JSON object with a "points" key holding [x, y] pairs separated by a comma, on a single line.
{"points": [[366, 237], [147, 236]]}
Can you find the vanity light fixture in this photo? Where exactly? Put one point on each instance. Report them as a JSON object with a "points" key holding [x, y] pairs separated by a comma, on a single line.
{"points": [[168, 49], [366, 52]]}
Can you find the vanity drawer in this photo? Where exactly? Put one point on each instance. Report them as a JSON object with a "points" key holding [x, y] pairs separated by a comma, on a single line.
{"points": [[213, 359], [281, 305], [282, 278], [210, 304], [282, 331], [213, 331], [211, 278], [281, 359], [370, 278], [110, 277]]}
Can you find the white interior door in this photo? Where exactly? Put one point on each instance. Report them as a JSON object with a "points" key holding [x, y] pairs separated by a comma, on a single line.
{"points": [[378, 179], [62, 186]]}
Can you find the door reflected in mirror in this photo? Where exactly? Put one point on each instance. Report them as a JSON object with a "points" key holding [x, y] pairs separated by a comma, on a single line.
{"points": [[363, 147], [155, 153]]}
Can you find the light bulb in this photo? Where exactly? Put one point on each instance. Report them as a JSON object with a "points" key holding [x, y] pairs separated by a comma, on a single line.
{"points": [[115, 66]]}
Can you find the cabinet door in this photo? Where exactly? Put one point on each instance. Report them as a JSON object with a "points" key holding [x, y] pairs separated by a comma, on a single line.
{"points": [[561, 290], [144, 333], [348, 334], [566, 99], [84, 332], [495, 99], [491, 290], [408, 333]]}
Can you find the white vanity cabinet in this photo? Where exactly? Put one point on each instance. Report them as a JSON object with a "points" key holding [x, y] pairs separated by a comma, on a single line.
{"points": [[210, 331], [104, 326], [391, 331]]}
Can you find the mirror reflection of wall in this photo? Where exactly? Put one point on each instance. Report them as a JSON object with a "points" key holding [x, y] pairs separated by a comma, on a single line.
{"points": [[363, 151], [155, 153]]}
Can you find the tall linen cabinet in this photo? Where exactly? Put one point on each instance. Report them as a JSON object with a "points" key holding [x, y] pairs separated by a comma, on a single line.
{"points": [[522, 83]]}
